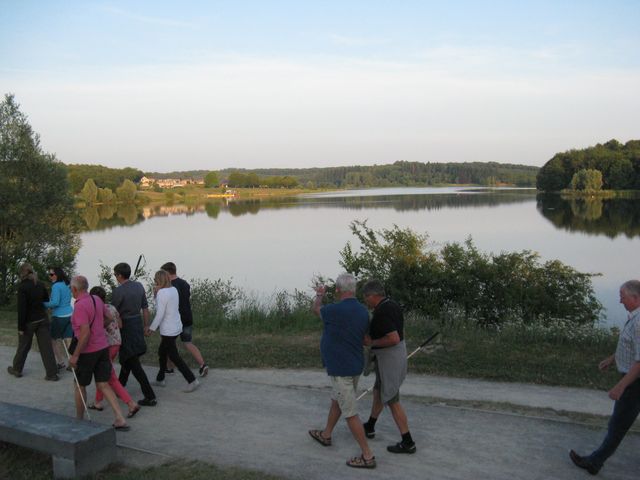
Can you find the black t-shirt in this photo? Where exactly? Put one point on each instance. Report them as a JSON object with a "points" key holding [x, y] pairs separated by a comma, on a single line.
{"points": [[387, 318], [184, 302]]}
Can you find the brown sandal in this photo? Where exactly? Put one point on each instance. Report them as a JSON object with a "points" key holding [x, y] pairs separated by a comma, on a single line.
{"points": [[317, 436], [361, 462]]}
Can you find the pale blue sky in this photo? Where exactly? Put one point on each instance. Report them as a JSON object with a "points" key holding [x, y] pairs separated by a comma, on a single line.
{"points": [[186, 85]]}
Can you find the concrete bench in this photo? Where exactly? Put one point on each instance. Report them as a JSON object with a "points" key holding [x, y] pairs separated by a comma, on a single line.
{"points": [[77, 447]]}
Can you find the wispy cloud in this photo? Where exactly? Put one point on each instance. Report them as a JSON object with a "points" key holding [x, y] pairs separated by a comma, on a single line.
{"points": [[350, 41], [165, 22]]}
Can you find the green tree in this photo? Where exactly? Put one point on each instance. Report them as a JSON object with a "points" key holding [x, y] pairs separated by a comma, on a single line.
{"points": [[89, 192], [211, 179], [126, 192], [587, 180], [36, 218], [105, 195]]}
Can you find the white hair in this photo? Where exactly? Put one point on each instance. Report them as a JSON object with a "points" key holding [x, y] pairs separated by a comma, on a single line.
{"points": [[346, 283]]}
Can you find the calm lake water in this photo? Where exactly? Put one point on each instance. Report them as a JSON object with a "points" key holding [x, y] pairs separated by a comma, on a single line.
{"points": [[270, 245]]}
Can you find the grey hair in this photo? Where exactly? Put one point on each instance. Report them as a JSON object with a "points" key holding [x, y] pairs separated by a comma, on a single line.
{"points": [[373, 287], [26, 271], [346, 283], [632, 287], [80, 283]]}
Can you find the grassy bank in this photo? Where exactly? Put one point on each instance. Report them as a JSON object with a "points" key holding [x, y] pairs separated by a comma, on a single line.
{"points": [[257, 336], [22, 464]]}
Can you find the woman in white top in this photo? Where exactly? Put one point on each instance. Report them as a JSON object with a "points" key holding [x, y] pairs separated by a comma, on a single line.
{"points": [[167, 320]]}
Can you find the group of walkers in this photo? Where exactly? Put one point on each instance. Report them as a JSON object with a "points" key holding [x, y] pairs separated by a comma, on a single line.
{"points": [[93, 333], [102, 332]]}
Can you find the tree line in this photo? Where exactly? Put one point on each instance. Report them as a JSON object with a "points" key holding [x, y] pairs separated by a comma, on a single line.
{"points": [[612, 166]]}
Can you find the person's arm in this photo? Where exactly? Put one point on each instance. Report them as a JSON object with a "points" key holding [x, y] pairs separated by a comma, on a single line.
{"points": [[161, 306], [83, 339], [22, 310], [607, 362], [389, 340], [317, 302], [631, 376], [55, 297]]}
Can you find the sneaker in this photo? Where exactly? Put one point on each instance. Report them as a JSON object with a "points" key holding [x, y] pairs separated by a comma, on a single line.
{"points": [[204, 369], [192, 386], [148, 402], [369, 431], [53, 378], [402, 447], [14, 372], [160, 383]]}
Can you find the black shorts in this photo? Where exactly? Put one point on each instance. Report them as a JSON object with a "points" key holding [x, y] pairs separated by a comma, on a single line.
{"points": [[94, 364]]}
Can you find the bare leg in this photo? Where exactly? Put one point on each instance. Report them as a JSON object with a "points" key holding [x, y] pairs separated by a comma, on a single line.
{"points": [[57, 350], [332, 419], [400, 417], [112, 401], [80, 393], [195, 353], [377, 405], [355, 425]]}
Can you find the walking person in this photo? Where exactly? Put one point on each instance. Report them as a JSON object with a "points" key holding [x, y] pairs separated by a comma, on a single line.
{"points": [[61, 310], [386, 339], [626, 392], [90, 357], [130, 301], [167, 319], [344, 327], [32, 320], [112, 330], [186, 317]]}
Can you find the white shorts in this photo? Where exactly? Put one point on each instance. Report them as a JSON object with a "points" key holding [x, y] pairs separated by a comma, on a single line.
{"points": [[344, 392]]}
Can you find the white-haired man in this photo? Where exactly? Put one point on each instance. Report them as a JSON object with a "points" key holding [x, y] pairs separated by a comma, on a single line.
{"points": [[626, 392], [345, 325]]}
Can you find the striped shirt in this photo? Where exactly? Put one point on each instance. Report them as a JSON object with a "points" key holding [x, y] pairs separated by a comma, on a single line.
{"points": [[628, 350]]}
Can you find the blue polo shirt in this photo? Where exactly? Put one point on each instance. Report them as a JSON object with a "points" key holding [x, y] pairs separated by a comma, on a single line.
{"points": [[345, 325]]}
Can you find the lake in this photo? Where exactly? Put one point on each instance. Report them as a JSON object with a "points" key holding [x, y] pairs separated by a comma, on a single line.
{"points": [[280, 244]]}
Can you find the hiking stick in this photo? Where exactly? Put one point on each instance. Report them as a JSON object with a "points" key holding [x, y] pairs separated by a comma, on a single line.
{"points": [[75, 377], [135, 271], [422, 345]]}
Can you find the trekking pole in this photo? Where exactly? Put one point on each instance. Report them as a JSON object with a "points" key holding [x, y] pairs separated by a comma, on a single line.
{"points": [[75, 377], [135, 271], [422, 345]]}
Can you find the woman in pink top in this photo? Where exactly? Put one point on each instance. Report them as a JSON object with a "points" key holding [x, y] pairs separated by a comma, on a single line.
{"points": [[111, 328]]}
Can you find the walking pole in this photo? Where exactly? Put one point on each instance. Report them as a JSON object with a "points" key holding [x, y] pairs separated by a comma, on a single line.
{"points": [[135, 271], [422, 345], [75, 377]]}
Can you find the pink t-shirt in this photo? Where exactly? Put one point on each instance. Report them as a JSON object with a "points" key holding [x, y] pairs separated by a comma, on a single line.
{"points": [[83, 314]]}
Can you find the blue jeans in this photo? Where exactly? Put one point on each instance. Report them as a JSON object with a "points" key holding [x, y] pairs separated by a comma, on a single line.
{"points": [[625, 412]]}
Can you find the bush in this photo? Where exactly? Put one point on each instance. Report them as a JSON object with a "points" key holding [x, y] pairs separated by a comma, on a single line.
{"points": [[490, 289]]}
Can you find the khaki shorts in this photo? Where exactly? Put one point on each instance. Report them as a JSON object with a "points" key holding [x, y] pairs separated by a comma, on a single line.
{"points": [[344, 392]]}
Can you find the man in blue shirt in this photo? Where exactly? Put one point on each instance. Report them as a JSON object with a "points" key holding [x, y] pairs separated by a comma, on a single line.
{"points": [[345, 325]]}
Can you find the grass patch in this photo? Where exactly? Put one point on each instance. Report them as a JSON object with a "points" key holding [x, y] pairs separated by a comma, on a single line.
{"points": [[19, 463]]}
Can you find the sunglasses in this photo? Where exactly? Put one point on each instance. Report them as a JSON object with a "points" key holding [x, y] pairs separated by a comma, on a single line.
{"points": [[51, 274]]}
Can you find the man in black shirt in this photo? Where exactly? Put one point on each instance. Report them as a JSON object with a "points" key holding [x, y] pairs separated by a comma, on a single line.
{"points": [[386, 338], [186, 316]]}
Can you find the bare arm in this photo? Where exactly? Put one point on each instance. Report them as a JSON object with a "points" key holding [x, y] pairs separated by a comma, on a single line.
{"points": [[317, 303], [389, 340], [631, 376], [83, 339]]}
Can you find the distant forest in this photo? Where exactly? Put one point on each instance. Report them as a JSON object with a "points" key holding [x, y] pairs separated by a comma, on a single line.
{"points": [[400, 173], [104, 177], [619, 164]]}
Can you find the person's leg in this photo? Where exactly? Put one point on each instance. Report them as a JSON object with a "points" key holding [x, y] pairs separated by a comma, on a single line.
{"points": [[625, 412], [400, 417], [46, 350], [125, 370], [115, 384], [113, 403], [332, 419], [24, 345], [162, 358], [177, 360], [141, 377], [195, 353], [80, 393], [357, 430]]}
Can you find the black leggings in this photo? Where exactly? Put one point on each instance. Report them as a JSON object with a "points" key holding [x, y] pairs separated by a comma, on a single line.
{"points": [[166, 349]]}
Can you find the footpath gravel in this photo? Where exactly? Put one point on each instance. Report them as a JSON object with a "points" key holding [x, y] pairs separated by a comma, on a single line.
{"points": [[258, 419]]}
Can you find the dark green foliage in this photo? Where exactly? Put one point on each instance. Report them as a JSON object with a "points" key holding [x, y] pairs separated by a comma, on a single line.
{"points": [[252, 180], [36, 224], [619, 164], [211, 180], [104, 177], [587, 180], [489, 289]]}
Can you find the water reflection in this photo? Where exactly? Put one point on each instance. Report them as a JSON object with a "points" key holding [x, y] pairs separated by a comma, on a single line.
{"points": [[595, 216], [103, 217]]}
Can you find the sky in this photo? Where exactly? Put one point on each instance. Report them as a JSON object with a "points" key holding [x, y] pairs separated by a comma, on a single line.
{"points": [[166, 86]]}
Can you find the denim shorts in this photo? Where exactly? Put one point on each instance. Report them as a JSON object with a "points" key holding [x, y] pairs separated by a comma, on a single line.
{"points": [[186, 334]]}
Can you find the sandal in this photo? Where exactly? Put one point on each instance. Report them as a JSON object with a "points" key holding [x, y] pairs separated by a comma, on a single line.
{"points": [[93, 406], [317, 436], [361, 462], [122, 428], [132, 413]]}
